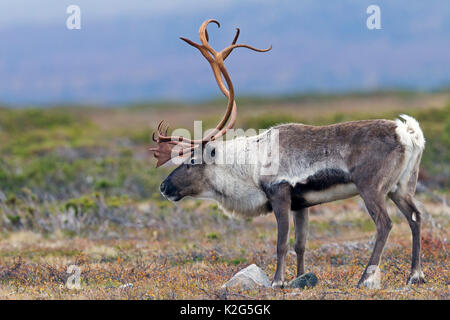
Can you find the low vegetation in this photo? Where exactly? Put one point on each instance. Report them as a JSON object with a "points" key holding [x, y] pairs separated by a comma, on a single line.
{"points": [[78, 187]]}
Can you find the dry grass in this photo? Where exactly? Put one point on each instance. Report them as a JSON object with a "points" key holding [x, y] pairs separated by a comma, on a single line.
{"points": [[191, 252], [78, 187]]}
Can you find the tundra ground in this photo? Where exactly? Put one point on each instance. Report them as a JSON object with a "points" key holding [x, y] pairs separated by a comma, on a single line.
{"points": [[190, 251], [77, 187]]}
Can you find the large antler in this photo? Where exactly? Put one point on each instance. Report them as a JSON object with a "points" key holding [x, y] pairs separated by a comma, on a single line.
{"points": [[163, 152]]}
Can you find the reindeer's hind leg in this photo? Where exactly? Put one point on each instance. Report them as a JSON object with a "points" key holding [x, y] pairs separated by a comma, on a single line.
{"points": [[403, 197], [376, 207], [407, 206], [374, 181]]}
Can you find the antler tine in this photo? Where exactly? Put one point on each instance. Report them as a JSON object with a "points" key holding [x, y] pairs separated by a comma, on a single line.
{"points": [[225, 52], [206, 35], [162, 128], [159, 125], [163, 152], [203, 33], [192, 43], [238, 31]]}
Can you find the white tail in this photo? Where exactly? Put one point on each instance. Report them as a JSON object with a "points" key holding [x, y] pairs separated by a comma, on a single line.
{"points": [[409, 132]]}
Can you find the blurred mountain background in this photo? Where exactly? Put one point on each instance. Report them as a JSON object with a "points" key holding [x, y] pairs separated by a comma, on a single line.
{"points": [[129, 51]]}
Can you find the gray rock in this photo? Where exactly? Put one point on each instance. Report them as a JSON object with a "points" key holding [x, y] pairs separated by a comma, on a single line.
{"points": [[249, 278], [305, 280], [126, 286]]}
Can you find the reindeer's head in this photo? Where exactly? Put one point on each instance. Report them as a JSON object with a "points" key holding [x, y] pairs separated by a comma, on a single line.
{"points": [[190, 178]]}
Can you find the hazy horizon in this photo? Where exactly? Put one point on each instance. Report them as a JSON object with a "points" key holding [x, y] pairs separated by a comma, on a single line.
{"points": [[131, 52]]}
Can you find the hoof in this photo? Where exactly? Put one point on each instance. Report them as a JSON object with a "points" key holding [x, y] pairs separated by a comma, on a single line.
{"points": [[371, 278], [416, 277], [278, 284]]}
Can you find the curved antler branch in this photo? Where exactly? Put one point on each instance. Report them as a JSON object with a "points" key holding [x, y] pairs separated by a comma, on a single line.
{"points": [[163, 152], [228, 50]]}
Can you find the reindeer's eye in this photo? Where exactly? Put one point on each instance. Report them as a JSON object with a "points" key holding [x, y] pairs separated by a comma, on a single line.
{"points": [[192, 161], [213, 153]]}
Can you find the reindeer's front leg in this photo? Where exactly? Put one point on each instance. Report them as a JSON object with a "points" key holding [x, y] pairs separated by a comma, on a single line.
{"points": [[301, 232], [280, 199]]}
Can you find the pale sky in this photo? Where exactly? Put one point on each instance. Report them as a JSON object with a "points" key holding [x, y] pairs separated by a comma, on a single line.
{"points": [[129, 49]]}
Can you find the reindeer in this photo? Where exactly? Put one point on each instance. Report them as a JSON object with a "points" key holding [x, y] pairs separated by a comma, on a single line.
{"points": [[315, 164]]}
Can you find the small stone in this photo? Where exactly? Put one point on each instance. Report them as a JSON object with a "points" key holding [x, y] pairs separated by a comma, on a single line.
{"points": [[249, 278], [126, 286], [305, 280]]}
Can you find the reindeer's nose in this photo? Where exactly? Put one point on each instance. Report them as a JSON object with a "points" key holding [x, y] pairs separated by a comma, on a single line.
{"points": [[163, 187]]}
